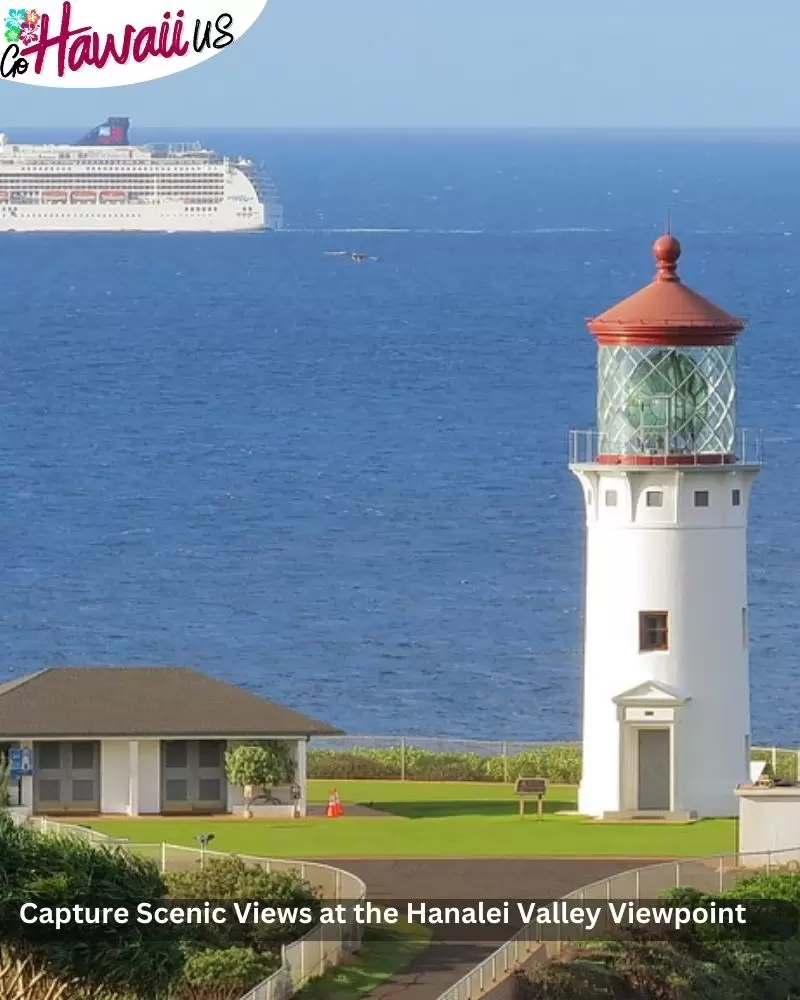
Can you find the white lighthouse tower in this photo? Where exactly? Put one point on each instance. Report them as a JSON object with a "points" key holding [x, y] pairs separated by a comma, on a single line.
{"points": [[666, 478]]}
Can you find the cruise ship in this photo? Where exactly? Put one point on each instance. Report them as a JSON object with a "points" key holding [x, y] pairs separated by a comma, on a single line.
{"points": [[103, 183]]}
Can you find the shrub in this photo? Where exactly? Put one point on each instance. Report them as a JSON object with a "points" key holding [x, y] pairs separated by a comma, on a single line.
{"points": [[560, 764], [222, 973], [699, 962], [52, 871], [231, 878], [786, 762]]}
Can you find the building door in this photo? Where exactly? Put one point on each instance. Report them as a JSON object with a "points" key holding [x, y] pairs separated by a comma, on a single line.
{"points": [[67, 777], [193, 776], [654, 770]]}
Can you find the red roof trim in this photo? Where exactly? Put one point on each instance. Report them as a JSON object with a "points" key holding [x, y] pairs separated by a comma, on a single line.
{"points": [[709, 459]]}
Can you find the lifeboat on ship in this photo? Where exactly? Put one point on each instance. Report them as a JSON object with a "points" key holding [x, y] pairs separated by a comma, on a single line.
{"points": [[84, 196], [112, 196], [60, 196]]}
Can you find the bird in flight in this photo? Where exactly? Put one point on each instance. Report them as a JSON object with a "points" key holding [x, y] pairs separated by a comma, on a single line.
{"points": [[357, 258]]}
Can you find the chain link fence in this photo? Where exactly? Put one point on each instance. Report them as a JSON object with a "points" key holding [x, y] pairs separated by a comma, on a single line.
{"points": [[708, 875]]}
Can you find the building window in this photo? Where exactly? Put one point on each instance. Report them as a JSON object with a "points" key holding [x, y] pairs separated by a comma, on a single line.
{"points": [[611, 498], [701, 498], [736, 498], [653, 631], [654, 498]]}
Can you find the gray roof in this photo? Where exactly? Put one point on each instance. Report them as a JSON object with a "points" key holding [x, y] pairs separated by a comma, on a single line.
{"points": [[81, 702]]}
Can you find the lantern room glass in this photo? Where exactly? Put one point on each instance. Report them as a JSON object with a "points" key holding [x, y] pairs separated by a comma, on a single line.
{"points": [[666, 400]]}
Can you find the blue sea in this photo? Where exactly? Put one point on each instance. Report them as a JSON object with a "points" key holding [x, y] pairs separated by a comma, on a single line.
{"points": [[345, 487]]}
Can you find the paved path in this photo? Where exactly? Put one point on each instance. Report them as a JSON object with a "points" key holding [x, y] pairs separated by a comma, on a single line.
{"points": [[443, 964]]}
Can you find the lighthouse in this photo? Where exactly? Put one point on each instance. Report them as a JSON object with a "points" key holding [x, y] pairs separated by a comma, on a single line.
{"points": [[666, 478]]}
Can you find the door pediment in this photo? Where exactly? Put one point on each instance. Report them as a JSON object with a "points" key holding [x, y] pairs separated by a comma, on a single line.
{"points": [[650, 694]]}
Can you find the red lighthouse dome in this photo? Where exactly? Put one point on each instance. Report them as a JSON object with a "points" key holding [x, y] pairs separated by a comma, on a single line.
{"points": [[666, 373], [666, 311]]}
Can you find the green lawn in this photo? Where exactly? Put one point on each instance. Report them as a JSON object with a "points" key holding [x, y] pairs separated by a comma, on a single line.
{"points": [[448, 819], [386, 951]]}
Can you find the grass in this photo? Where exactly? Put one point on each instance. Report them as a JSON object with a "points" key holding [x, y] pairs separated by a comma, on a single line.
{"points": [[435, 819], [386, 952]]}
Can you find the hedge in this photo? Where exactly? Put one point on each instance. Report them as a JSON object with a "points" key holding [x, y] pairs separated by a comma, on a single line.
{"points": [[559, 763]]}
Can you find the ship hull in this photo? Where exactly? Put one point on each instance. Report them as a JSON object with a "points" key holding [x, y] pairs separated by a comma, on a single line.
{"points": [[41, 218]]}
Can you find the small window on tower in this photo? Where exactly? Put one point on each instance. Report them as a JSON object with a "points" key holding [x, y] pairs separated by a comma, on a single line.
{"points": [[654, 498], [701, 498], [653, 631], [736, 498], [611, 498]]}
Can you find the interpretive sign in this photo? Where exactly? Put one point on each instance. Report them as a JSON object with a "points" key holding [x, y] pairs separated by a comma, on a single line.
{"points": [[529, 787]]}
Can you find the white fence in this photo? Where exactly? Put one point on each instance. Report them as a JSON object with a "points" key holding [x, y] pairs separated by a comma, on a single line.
{"points": [[302, 960], [713, 874]]}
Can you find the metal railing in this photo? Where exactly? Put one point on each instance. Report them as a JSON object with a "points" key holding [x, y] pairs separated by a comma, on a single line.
{"points": [[710, 875], [303, 959], [46, 825], [585, 447]]}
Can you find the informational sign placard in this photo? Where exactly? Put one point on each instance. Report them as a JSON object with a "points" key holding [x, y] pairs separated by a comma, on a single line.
{"points": [[20, 762]]}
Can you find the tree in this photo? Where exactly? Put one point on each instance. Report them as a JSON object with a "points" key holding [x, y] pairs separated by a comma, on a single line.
{"points": [[261, 765]]}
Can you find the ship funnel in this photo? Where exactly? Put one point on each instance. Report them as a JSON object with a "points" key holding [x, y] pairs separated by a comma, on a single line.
{"points": [[113, 132]]}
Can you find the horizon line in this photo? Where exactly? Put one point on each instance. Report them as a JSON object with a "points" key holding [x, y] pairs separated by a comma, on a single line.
{"points": [[551, 129]]}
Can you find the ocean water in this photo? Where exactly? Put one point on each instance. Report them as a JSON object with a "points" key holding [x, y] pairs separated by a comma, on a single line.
{"points": [[346, 487]]}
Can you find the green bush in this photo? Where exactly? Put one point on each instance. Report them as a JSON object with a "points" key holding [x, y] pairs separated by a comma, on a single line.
{"points": [[560, 764], [231, 878], [700, 962], [222, 973], [786, 762], [62, 871]]}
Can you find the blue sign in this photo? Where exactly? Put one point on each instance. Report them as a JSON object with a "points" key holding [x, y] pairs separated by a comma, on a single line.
{"points": [[20, 762]]}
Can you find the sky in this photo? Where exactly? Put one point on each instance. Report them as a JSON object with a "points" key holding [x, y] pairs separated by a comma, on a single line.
{"points": [[469, 64]]}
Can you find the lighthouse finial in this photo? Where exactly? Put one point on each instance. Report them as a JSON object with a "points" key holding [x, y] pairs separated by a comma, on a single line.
{"points": [[666, 251]]}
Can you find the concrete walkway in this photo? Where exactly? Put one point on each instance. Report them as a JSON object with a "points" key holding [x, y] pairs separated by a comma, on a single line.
{"points": [[443, 879]]}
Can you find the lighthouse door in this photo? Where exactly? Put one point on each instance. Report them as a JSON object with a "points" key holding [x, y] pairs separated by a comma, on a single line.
{"points": [[654, 770]]}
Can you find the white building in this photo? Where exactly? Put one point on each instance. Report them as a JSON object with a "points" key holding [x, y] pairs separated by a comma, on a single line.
{"points": [[143, 740], [666, 479]]}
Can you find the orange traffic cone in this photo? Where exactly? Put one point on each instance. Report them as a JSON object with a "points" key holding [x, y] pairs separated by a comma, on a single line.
{"points": [[334, 805]]}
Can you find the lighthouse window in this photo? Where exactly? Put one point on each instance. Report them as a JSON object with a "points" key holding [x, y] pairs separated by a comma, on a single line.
{"points": [[736, 498], [611, 498], [654, 498], [701, 498], [653, 631]]}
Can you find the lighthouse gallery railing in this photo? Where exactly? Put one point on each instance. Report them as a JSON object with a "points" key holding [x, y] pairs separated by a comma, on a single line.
{"points": [[585, 446]]}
